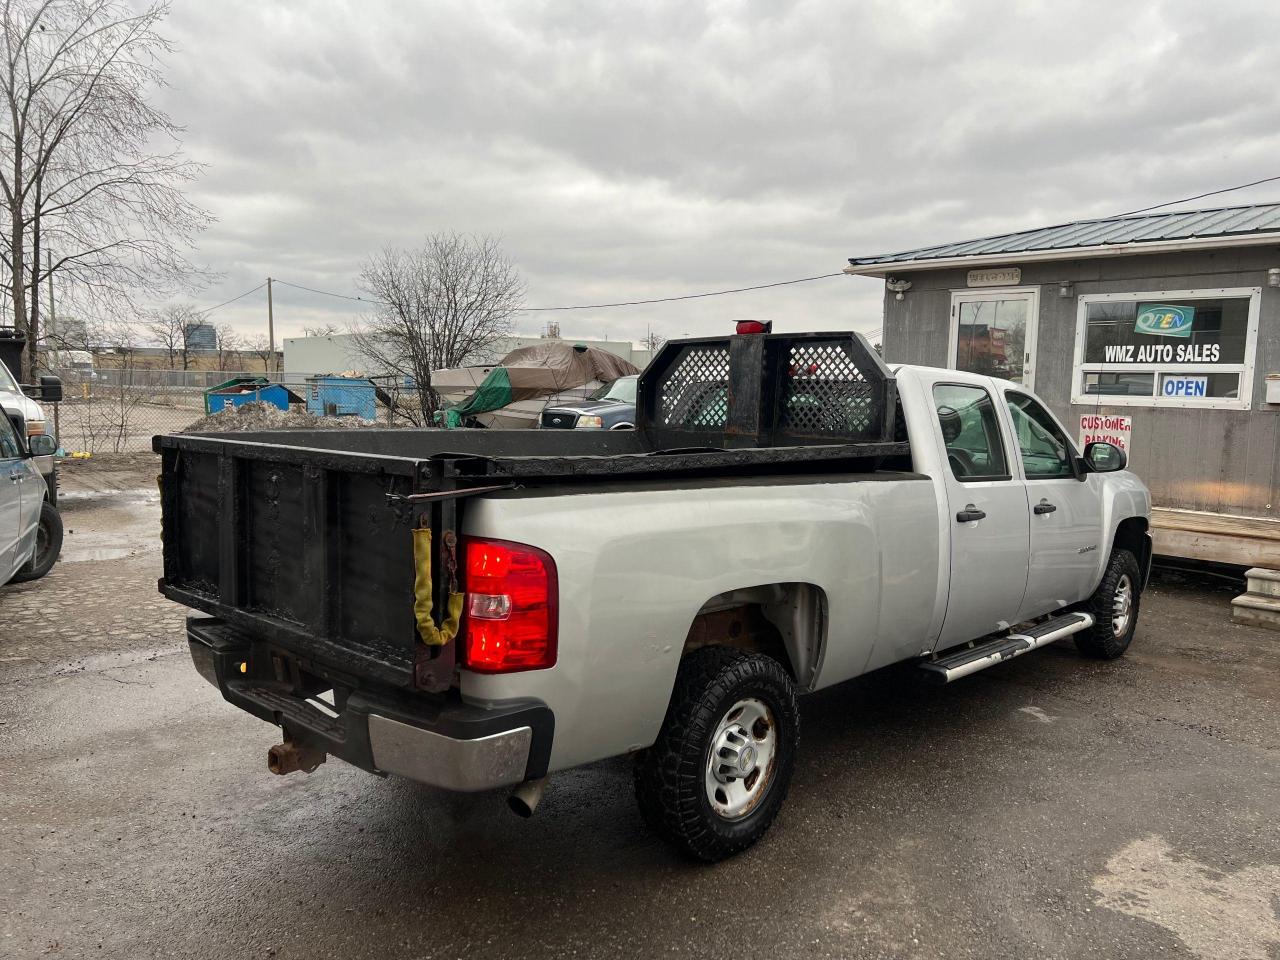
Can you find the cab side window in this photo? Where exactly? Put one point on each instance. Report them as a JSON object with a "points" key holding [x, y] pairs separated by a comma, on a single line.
{"points": [[1046, 452], [10, 446], [970, 432]]}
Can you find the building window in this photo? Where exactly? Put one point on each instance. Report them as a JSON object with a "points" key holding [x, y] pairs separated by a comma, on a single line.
{"points": [[1182, 348]]}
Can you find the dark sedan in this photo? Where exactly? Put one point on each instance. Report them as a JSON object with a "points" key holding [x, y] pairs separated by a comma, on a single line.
{"points": [[612, 407]]}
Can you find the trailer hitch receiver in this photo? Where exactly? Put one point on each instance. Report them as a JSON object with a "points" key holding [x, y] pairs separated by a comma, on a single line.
{"points": [[291, 756]]}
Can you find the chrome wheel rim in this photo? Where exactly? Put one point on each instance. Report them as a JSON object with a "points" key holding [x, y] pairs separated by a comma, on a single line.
{"points": [[741, 759], [1122, 606]]}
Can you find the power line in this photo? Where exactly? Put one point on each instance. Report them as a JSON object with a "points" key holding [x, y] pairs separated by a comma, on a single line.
{"points": [[698, 296], [241, 296], [1200, 196], [591, 306], [687, 296], [329, 293]]}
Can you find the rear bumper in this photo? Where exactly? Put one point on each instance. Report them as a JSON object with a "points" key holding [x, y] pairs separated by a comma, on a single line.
{"points": [[435, 740]]}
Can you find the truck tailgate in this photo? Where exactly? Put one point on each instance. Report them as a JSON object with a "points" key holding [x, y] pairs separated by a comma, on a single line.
{"points": [[298, 546]]}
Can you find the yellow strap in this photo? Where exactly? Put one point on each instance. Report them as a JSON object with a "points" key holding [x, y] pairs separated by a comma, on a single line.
{"points": [[431, 635]]}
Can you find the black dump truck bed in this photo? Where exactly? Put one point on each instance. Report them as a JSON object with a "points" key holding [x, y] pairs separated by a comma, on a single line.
{"points": [[305, 538]]}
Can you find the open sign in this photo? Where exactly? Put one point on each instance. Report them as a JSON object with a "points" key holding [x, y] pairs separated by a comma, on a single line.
{"points": [[1181, 386], [1165, 319]]}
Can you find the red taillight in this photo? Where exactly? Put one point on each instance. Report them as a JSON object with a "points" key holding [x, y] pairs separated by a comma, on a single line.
{"points": [[509, 619], [754, 326]]}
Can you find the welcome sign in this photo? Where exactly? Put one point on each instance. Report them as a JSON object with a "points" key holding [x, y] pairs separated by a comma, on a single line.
{"points": [[1165, 320]]}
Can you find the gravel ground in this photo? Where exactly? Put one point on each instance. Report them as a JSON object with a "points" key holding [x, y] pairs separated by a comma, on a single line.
{"points": [[1050, 807]]}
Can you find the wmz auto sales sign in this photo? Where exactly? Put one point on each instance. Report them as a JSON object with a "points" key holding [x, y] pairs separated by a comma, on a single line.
{"points": [[1117, 431]]}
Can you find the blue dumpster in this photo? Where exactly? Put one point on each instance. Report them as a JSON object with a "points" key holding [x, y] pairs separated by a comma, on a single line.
{"points": [[342, 397], [237, 394]]}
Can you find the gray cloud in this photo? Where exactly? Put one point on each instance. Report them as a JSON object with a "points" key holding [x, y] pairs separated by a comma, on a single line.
{"points": [[627, 151]]}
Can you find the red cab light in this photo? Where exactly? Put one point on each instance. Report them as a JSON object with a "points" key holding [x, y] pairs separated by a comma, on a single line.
{"points": [[509, 617], [754, 326]]}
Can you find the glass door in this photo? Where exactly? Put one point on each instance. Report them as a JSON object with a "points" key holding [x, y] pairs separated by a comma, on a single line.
{"points": [[993, 332]]}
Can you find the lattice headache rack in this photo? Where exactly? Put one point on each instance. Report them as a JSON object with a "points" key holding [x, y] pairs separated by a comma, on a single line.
{"points": [[767, 390]]}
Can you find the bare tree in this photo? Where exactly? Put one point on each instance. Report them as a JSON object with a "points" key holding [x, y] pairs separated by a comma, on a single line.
{"points": [[260, 347], [322, 330], [171, 328], [103, 418], [653, 342], [440, 305], [227, 342], [84, 171]]}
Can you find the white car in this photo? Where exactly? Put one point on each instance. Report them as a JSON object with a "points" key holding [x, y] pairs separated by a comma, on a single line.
{"points": [[15, 403], [30, 528]]}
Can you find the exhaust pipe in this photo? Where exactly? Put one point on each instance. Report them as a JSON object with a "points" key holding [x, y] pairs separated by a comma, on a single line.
{"points": [[526, 797], [291, 756]]}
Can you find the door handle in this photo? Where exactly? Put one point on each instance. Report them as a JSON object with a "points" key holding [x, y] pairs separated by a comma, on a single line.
{"points": [[16, 476], [970, 513], [1044, 506]]}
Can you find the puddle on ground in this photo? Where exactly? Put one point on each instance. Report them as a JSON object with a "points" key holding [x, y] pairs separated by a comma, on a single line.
{"points": [[80, 555], [1217, 915], [75, 499], [110, 527]]}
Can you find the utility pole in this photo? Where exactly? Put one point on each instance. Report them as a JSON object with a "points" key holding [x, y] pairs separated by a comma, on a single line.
{"points": [[271, 325], [53, 316], [53, 337]]}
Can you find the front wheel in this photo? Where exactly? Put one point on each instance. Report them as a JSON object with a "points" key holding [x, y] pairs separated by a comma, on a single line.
{"points": [[1114, 606], [48, 545], [720, 769]]}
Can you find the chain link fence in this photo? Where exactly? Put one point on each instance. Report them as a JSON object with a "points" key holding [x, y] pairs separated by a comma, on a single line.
{"points": [[119, 410]]}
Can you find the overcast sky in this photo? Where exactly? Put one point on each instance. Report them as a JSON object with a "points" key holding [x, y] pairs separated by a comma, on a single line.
{"points": [[648, 149]]}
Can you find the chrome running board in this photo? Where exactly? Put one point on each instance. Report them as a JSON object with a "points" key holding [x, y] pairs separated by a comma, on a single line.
{"points": [[972, 659]]}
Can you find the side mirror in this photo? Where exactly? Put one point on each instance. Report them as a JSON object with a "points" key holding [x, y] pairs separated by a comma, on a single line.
{"points": [[51, 389], [42, 445], [1103, 457]]}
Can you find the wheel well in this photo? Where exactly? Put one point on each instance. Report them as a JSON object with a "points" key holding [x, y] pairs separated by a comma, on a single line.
{"points": [[785, 621], [1131, 535]]}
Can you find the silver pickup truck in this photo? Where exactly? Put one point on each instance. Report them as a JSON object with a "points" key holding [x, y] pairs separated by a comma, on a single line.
{"points": [[474, 610]]}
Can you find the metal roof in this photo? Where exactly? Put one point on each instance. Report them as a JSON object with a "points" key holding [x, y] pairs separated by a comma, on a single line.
{"points": [[1107, 236]]}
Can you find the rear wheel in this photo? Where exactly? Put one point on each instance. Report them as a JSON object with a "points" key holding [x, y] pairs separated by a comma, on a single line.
{"points": [[719, 771], [48, 545], [1114, 606]]}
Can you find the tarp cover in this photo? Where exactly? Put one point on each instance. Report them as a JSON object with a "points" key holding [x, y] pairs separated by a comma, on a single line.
{"points": [[541, 370]]}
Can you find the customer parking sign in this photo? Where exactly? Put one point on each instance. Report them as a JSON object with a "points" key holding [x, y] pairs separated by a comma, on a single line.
{"points": [[1108, 428]]}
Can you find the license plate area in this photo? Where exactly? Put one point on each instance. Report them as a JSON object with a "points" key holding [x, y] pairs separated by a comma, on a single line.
{"points": [[296, 690]]}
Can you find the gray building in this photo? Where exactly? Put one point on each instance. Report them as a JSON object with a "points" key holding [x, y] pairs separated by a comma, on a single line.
{"points": [[1158, 331]]}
